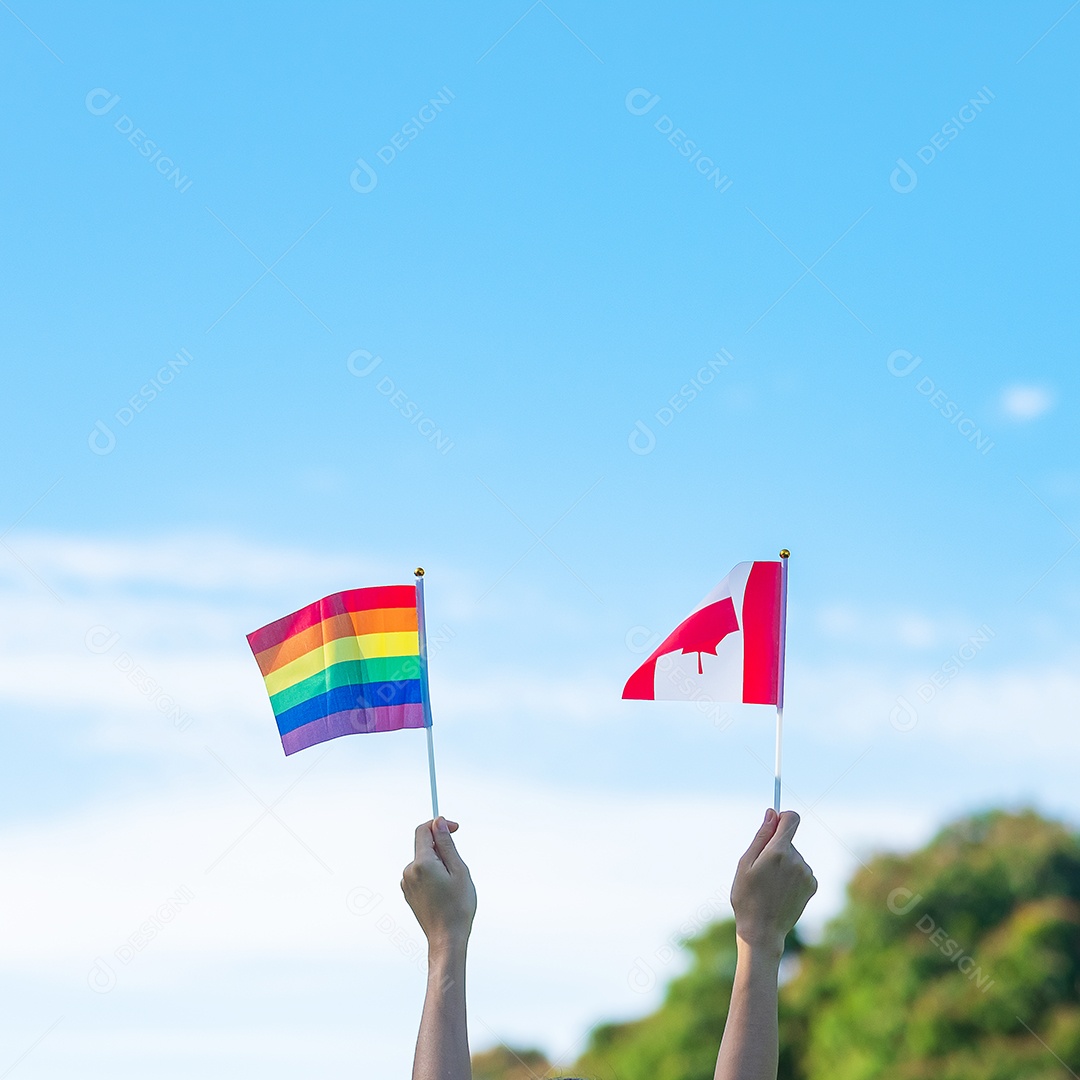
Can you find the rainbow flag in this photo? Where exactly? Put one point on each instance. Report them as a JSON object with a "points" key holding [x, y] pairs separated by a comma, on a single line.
{"points": [[347, 664]]}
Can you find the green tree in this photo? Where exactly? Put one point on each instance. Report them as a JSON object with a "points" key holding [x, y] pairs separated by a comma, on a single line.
{"points": [[958, 962], [505, 1063]]}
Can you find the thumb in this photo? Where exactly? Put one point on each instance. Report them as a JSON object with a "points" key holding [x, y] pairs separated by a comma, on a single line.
{"points": [[445, 847], [761, 838]]}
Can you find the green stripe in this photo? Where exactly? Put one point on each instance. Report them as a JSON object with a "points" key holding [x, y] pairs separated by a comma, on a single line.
{"points": [[347, 673]]}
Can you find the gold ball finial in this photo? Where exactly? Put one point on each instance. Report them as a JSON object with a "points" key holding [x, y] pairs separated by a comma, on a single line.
{"points": [[419, 571], [784, 553]]}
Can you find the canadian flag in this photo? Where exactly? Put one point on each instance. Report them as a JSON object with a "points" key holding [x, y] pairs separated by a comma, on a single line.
{"points": [[736, 636]]}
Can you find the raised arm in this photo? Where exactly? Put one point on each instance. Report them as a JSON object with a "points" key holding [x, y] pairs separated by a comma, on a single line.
{"points": [[439, 889], [772, 887]]}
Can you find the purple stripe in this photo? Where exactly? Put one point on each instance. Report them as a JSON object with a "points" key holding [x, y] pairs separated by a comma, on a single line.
{"points": [[354, 722]]}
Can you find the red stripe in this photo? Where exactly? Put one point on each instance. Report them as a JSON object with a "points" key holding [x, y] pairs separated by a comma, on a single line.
{"points": [[382, 596], [761, 634]]}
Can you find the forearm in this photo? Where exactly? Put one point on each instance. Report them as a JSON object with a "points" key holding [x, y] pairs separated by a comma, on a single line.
{"points": [[442, 1047], [749, 1049]]}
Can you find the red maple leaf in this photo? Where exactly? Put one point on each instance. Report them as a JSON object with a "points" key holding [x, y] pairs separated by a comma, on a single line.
{"points": [[702, 632]]}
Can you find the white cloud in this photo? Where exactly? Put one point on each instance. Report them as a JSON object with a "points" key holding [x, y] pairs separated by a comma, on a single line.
{"points": [[963, 708], [1026, 402], [910, 629], [189, 561], [117, 661]]}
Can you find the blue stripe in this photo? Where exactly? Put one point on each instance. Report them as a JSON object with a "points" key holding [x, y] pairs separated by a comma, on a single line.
{"points": [[343, 698]]}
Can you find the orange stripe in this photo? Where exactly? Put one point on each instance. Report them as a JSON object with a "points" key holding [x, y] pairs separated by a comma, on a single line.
{"points": [[351, 624]]}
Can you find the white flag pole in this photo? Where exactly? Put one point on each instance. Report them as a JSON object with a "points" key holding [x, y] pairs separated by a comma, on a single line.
{"points": [[425, 696], [784, 556]]}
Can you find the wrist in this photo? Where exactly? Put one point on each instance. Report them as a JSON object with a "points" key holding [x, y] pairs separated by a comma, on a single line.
{"points": [[760, 948], [447, 948]]}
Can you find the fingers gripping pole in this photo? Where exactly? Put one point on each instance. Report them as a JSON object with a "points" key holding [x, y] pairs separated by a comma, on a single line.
{"points": [[421, 627]]}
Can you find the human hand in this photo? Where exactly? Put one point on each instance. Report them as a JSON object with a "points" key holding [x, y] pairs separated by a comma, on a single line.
{"points": [[438, 886], [772, 884]]}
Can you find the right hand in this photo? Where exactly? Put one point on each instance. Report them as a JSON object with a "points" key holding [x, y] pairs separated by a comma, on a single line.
{"points": [[772, 884], [438, 886]]}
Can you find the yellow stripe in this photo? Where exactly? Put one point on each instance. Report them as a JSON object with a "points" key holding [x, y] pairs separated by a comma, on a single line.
{"points": [[401, 643]]}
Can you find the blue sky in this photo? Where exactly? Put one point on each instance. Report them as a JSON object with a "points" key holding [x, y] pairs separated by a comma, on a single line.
{"points": [[494, 222]]}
